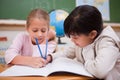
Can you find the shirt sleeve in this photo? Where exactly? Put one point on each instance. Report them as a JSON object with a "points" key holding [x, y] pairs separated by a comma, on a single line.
{"points": [[52, 45], [107, 54], [14, 49], [69, 51]]}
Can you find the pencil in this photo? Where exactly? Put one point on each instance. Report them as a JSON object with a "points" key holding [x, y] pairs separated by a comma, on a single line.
{"points": [[39, 47]]}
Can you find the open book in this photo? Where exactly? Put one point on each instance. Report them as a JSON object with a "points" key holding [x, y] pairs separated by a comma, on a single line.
{"points": [[58, 65]]}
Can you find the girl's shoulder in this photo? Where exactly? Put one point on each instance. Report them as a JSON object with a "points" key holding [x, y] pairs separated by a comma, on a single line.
{"points": [[23, 35]]}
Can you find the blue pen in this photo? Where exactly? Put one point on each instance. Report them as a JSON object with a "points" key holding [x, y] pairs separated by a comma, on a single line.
{"points": [[40, 48], [46, 48]]}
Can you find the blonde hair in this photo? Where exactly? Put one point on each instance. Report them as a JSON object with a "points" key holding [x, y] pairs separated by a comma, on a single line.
{"points": [[39, 14]]}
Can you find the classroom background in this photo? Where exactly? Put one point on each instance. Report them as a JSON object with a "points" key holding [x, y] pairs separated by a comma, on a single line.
{"points": [[13, 15]]}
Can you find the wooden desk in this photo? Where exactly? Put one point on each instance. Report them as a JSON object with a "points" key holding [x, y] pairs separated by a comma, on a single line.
{"points": [[57, 76]]}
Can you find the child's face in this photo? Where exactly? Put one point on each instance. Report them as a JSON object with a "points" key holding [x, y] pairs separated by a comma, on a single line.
{"points": [[83, 40], [38, 29]]}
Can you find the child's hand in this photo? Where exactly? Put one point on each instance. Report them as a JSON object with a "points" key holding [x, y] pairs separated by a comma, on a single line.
{"points": [[49, 59], [37, 62]]}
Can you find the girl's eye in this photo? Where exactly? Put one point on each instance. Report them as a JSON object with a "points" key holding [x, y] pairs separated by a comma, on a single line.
{"points": [[43, 30], [34, 30]]}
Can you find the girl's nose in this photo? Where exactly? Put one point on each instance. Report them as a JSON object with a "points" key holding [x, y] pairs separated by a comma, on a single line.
{"points": [[39, 33]]}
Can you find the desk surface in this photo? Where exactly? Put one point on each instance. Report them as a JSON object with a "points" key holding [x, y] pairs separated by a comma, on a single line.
{"points": [[57, 76]]}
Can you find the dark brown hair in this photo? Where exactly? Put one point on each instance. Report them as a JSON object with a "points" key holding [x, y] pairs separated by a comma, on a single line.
{"points": [[82, 20]]}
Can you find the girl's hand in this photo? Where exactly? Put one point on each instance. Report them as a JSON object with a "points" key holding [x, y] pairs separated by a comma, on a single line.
{"points": [[36, 62]]}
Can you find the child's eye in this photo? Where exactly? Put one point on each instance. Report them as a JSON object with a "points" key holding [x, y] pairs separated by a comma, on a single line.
{"points": [[75, 38], [43, 30], [34, 30]]}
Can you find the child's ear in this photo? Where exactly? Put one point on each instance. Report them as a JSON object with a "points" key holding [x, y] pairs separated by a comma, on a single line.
{"points": [[93, 34]]}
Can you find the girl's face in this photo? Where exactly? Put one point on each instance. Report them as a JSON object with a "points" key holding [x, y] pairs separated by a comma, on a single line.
{"points": [[83, 40], [38, 28]]}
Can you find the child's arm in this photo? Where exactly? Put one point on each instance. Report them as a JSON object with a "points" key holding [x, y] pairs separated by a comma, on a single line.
{"points": [[51, 35], [107, 55], [68, 52], [28, 61], [14, 56]]}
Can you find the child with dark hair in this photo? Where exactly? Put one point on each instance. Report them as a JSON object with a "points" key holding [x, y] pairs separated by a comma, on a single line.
{"points": [[96, 47]]}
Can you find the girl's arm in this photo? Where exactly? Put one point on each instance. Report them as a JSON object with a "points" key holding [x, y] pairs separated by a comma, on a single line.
{"points": [[14, 48], [13, 54], [29, 61], [51, 35]]}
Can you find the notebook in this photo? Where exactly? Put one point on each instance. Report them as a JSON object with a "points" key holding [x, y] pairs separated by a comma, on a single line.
{"points": [[57, 65]]}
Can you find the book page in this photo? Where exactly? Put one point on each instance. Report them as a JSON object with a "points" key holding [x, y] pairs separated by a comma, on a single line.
{"points": [[18, 70], [58, 65], [69, 65]]}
